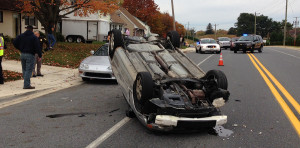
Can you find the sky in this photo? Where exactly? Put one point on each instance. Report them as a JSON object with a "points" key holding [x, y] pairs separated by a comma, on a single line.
{"points": [[224, 13]]}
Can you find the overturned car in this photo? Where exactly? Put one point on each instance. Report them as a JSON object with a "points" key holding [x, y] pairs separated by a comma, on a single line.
{"points": [[163, 87]]}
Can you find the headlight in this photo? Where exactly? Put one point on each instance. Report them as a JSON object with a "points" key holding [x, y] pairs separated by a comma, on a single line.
{"points": [[84, 66]]}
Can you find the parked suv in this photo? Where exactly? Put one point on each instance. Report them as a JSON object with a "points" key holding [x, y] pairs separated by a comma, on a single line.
{"points": [[249, 43], [224, 42]]}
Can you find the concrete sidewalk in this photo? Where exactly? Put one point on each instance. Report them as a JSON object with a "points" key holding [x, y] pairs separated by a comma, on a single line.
{"points": [[55, 78]]}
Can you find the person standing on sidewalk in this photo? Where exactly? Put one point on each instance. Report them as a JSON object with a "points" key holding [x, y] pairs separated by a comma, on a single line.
{"points": [[37, 62], [28, 44], [51, 37], [2, 47]]}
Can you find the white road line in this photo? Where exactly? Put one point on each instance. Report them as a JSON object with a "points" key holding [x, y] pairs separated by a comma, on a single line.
{"points": [[108, 133], [204, 60], [286, 54]]}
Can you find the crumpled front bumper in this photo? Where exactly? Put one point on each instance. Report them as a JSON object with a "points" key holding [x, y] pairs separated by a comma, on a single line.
{"points": [[169, 123]]}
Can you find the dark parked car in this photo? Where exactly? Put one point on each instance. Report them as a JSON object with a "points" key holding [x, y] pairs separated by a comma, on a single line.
{"points": [[249, 43], [232, 43]]}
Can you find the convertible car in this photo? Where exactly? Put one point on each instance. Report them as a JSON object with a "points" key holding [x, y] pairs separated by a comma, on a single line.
{"points": [[165, 90]]}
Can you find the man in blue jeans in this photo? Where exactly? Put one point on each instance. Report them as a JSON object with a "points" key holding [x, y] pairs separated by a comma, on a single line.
{"points": [[28, 44], [51, 38]]}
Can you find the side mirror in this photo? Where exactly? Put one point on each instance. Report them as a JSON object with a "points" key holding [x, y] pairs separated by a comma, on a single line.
{"points": [[92, 52]]}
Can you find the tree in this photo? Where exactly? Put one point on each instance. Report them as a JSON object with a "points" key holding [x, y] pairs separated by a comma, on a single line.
{"points": [[209, 29], [232, 31], [148, 12], [51, 11], [245, 24]]}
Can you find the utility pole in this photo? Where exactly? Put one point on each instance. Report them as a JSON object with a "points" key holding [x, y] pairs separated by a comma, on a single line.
{"points": [[285, 21], [255, 23], [215, 31], [296, 24], [174, 26], [188, 29]]}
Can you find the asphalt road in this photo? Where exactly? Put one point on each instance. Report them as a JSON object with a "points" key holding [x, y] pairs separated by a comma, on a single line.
{"points": [[84, 113]]}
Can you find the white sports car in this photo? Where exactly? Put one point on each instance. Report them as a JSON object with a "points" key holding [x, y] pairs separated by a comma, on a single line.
{"points": [[208, 45], [96, 66]]}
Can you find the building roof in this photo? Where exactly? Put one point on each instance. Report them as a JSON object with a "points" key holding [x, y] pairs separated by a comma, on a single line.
{"points": [[9, 5], [115, 17], [132, 18]]}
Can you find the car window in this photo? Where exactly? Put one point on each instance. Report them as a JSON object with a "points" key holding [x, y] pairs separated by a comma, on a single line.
{"points": [[224, 39], [246, 38], [102, 51], [234, 39], [208, 41]]}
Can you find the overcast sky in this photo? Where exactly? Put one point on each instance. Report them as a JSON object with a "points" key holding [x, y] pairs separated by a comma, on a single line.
{"points": [[225, 12]]}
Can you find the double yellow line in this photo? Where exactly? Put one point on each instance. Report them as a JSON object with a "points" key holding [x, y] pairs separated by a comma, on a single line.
{"points": [[289, 113]]}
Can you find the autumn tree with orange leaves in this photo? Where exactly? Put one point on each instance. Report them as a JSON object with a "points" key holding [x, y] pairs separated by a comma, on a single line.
{"points": [[51, 11], [148, 12]]}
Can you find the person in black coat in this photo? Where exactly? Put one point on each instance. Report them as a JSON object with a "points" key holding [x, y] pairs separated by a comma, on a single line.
{"points": [[29, 45]]}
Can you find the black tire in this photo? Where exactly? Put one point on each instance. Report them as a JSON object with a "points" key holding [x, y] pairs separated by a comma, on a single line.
{"points": [[116, 40], [174, 37], [252, 49], [130, 113], [70, 39], [86, 79], [260, 49], [79, 39], [142, 90], [244, 50], [219, 77], [218, 52], [235, 51]]}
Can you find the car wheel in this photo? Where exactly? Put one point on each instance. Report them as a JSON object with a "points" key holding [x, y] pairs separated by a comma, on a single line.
{"points": [[219, 77], [218, 52], [86, 79], [142, 90], [79, 40], [235, 51], [244, 50], [130, 113], [197, 50], [116, 40], [70, 39], [260, 49], [174, 38]]}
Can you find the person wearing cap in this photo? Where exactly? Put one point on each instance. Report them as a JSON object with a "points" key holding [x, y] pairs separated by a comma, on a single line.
{"points": [[37, 62], [29, 45], [2, 47]]}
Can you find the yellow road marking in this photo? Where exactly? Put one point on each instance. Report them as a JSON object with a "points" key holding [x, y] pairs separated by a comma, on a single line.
{"points": [[281, 88], [289, 113]]}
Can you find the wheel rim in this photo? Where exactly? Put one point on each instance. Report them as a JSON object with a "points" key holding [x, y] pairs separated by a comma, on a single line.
{"points": [[78, 40], [70, 39], [139, 88]]}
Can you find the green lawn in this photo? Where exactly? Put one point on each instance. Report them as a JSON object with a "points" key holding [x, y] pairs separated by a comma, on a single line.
{"points": [[64, 54]]}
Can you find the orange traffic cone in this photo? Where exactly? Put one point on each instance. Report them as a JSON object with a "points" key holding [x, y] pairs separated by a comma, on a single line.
{"points": [[221, 60]]}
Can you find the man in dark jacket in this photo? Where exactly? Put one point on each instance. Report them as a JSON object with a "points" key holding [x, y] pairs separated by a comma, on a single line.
{"points": [[28, 44], [37, 62]]}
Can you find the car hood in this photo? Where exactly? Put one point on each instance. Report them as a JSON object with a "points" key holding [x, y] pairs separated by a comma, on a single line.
{"points": [[97, 60], [209, 44], [243, 42]]}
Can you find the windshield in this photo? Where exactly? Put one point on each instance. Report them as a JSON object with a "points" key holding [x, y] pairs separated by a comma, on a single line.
{"points": [[224, 39], [234, 39], [246, 38], [208, 41], [102, 51]]}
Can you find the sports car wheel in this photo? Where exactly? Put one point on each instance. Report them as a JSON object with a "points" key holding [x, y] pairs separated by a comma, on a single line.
{"points": [[174, 37], [116, 40], [219, 77]]}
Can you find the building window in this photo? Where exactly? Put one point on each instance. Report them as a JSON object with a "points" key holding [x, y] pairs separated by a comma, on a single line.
{"points": [[30, 20], [120, 27], [1, 16]]}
